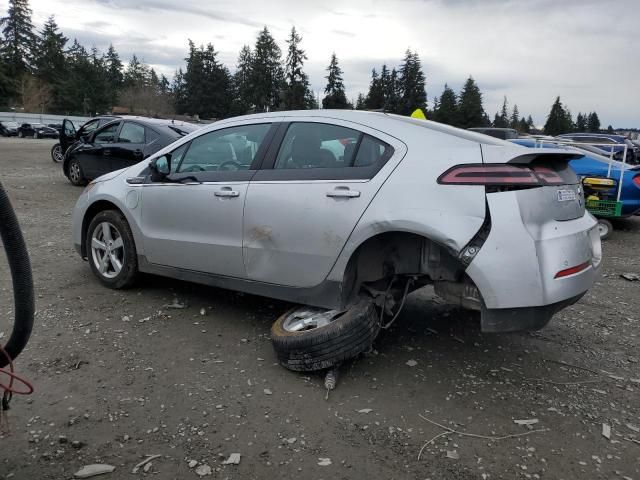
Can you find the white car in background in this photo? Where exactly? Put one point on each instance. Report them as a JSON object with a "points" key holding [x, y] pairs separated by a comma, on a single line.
{"points": [[345, 212]]}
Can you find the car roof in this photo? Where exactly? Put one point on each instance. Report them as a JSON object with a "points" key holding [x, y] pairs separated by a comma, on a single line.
{"points": [[386, 122], [150, 121]]}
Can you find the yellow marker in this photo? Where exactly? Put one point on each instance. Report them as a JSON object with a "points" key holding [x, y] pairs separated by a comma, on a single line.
{"points": [[418, 113]]}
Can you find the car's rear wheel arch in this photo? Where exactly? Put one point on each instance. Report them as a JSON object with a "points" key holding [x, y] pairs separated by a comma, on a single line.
{"points": [[398, 253]]}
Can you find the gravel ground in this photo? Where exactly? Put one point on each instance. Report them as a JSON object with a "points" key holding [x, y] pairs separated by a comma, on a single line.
{"points": [[118, 376]]}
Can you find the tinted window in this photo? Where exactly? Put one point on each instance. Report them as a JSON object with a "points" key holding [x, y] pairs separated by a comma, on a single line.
{"points": [[151, 136], [131, 133], [317, 145], [107, 134], [176, 157], [371, 151], [228, 149], [90, 127]]}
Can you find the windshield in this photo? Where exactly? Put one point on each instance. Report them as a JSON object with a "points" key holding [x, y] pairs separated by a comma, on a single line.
{"points": [[10, 124]]}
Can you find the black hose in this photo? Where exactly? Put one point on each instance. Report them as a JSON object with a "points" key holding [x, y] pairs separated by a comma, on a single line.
{"points": [[18, 259]]}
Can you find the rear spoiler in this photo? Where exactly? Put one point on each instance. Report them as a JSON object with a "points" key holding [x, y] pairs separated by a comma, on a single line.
{"points": [[523, 155]]}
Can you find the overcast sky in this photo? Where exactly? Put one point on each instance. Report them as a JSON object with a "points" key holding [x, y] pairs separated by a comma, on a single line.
{"points": [[586, 51]]}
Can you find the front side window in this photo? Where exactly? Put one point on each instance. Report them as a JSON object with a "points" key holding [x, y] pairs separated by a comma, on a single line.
{"points": [[89, 127], [107, 134], [228, 149], [317, 145], [131, 133]]}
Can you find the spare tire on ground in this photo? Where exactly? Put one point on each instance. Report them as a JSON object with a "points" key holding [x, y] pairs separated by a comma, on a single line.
{"points": [[308, 338]]}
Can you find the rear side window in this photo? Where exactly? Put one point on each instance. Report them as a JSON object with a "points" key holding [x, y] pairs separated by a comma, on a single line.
{"points": [[371, 151], [151, 136], [317, 145], [131, 133]]}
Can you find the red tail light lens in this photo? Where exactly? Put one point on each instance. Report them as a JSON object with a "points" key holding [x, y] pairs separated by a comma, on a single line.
{"points": [[500, 174], [636, 180], [573, 270]]}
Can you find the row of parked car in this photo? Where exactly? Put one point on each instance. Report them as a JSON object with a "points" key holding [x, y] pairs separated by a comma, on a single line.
{"points": [[25, 130]]}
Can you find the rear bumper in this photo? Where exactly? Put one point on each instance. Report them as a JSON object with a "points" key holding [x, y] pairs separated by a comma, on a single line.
{"points": [[515, 270]]}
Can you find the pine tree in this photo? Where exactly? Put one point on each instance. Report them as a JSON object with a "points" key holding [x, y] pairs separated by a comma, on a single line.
{"points": [[501, 119], [296, 93], [375, 97], [447, 111], [557, 121], [593, 123], [470, 106], [523, 126], [335, 94], [361, 102], [267, 75], [113, 66], [530, 124], [412, 84], [19, 41], [50, 62], [240, 85], [514, 122], [178, 92]]}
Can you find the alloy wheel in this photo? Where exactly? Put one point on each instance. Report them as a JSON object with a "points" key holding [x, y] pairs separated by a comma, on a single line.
{"points": [[74, 172], [107, 250], [57, 154], [306, 318]]}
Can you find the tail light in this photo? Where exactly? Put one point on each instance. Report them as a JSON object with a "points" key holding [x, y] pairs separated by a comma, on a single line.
{"points": [[636, 180], [501, 175]]}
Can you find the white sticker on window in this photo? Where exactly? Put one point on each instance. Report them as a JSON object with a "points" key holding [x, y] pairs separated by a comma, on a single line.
{"points": [[566, 195]]}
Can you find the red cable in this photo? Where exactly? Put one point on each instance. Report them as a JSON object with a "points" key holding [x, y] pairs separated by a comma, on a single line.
{"points": [[13, 376]]}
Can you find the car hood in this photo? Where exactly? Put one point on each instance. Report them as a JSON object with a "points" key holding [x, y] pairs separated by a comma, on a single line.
{"points": [[110, 175]]}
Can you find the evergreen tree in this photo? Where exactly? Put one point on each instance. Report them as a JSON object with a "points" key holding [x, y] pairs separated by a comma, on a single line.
{"points": [[502, 120], [392, 93], [412, 84], [610, 129], [523, 126], [114, 77], [19, 41], [593, 123], [581, 123], [375, 97], [296, 93], [447, 110], [470, 106], [50, 62], [361, 102], [335, 93], [241, 83], [208, 92], [557, 121], [267, 75], [178, 92], [514, 122], [531, 126]]}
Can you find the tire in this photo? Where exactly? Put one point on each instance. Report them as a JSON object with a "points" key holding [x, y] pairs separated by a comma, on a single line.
{"points": [[75, 173], [57, 155], [605, 228], [35, 135], [107, 272], [324, 347], [20, 135]]}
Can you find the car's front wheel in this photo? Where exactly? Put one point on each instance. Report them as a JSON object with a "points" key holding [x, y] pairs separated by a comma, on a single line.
{"points": [[35, 135], [20, 134], [75, 173], [111, 250], [308, 339], [57, 155]]}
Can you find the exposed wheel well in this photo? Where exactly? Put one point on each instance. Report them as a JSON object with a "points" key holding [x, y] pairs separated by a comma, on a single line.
{"points": [[387, 255], [91, 212]]}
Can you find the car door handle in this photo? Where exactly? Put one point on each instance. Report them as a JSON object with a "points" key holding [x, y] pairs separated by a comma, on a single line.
{"points": [[344, 192], [227, 192]]}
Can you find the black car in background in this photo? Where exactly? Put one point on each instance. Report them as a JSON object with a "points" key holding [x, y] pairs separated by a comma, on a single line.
{"points": [[119, 144], [70, 134], [36, 130], [8, 129]]}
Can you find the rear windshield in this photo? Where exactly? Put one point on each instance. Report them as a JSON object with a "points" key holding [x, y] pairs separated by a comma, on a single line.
{"points": [[180, 130]]}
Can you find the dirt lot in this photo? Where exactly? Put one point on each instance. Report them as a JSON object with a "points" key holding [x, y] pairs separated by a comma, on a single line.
{"points": [[119, 377]]}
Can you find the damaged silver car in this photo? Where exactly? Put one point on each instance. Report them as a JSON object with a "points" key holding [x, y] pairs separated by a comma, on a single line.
{"points": [[346, 212]]}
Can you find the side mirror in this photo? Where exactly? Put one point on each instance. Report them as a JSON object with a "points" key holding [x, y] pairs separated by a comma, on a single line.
{"points": [[160, 167]]}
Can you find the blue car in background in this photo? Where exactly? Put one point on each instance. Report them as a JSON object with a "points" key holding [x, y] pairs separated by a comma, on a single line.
{"points": [[595, 165], [607, 143]]}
